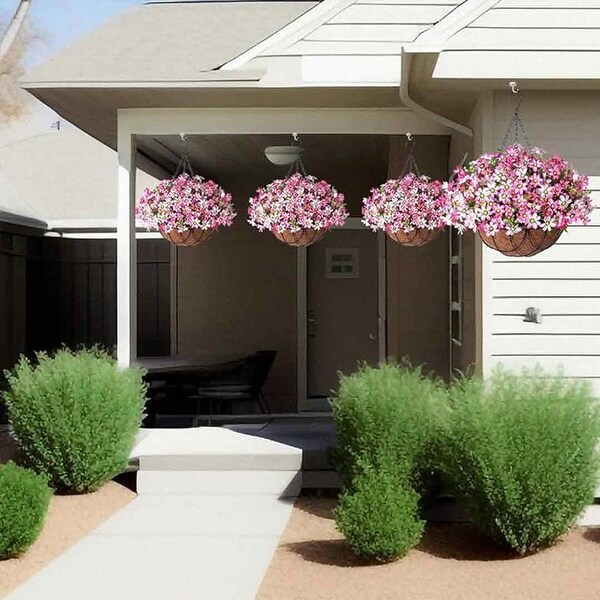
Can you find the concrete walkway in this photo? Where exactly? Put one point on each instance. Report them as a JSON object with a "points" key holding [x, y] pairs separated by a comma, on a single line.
{"points": [[211, 507]]}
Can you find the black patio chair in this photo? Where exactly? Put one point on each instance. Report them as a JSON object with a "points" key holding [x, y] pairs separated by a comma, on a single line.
{"points": [[244, 384], [174, 391]]}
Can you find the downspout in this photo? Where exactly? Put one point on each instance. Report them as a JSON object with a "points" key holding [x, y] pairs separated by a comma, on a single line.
{"points": [[406, 60]]}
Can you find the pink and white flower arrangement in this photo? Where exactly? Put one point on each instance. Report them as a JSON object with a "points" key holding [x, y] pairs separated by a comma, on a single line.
{"points": [[186, 202], [515, 190], [297, 203], [407, 204]]}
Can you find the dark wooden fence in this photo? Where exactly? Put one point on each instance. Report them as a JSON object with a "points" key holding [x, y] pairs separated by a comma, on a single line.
{"points": [[56, 291]]}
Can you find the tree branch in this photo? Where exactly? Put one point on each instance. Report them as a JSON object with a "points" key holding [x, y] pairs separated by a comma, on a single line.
{"points": [[14, 27]]}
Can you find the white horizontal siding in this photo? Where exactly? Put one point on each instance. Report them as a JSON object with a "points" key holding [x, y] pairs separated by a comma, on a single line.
{"points": [[579, 366], [565, 306], [580, 234], [564, 253], [564, 281], [563, 325], [534, 288], [537, 345], [546, 270]]}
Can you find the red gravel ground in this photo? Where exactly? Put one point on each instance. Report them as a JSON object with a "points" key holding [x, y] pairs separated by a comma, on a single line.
{"points": [[69, 519], [453, 562]]}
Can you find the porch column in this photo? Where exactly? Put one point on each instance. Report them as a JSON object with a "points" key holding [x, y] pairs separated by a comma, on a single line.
{"points": [[126, 251]]}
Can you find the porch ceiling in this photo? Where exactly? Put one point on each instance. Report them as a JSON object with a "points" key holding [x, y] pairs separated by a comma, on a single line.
{"points": [[229, 157]]}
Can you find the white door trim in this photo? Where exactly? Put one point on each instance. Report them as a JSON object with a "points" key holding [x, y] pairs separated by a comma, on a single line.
{"points": [[353, 223]]}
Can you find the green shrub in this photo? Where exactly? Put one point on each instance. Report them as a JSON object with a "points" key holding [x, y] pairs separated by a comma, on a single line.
{"points": [[75, 416], [24, 499], [379, 517], [520, 451], [391, 413]]}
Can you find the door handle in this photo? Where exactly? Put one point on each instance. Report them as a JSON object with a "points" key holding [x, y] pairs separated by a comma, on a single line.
{"points": [[311, 323]]}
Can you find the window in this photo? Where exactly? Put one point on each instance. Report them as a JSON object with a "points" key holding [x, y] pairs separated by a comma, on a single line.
{"points": [[342, 263]]}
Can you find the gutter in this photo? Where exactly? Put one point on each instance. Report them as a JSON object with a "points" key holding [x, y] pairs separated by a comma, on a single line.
{"points": [[406, 61]]}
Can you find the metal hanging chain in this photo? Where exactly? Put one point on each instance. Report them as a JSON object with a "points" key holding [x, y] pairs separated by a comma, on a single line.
{"points": [[184, 165], [410, 164], [516, 127], [297, 166]]}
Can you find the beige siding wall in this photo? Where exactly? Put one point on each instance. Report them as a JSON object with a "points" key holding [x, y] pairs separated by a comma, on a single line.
{"points": [[564, 282], [418, 318], [237, 294]]}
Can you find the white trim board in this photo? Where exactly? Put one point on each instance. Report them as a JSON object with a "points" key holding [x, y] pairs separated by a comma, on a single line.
{"points": [[136, 122], [199, 121], [517, 65]]}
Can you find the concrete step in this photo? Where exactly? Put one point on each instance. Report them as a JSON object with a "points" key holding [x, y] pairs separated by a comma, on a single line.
{"points": [[590, 517], [279, 484], [211, 449]]}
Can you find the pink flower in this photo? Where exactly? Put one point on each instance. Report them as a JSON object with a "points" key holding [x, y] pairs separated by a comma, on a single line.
{"points": [[185, 202], [413, 202], [517, 189], [295, 204]]}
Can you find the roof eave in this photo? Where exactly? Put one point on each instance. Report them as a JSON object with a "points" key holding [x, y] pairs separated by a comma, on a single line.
{"points": [[22, 220], [207, 77]]}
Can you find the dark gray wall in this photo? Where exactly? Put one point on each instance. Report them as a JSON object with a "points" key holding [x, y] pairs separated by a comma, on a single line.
{"points": [[57, 291], [13, 269]]}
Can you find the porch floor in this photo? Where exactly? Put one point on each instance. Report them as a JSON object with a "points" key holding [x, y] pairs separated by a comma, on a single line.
{"points": [[313, 434]]}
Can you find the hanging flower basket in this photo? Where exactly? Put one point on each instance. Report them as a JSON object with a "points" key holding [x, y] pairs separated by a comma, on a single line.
{"points": [[518, 200], [298, 210], [189, 237], [411, 210], [527, 242], [304, 237], [415, 238], [186, 210]]}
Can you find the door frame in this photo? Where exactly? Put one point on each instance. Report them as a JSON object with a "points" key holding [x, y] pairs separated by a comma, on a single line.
{"points": [[304, 403]]}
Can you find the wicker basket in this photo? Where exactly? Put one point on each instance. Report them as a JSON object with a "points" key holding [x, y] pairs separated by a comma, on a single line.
{"points": [[298, 239], [415, 238], [189, 237], [528, 242]]}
